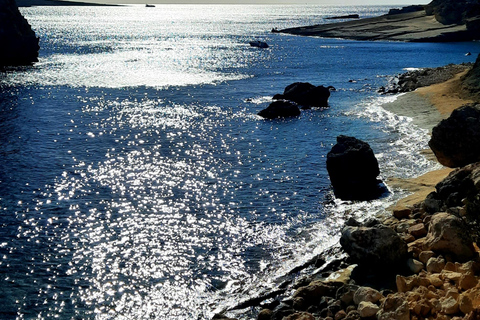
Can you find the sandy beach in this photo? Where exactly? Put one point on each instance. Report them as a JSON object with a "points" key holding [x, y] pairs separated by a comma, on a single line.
{"points": [[427, 106]]}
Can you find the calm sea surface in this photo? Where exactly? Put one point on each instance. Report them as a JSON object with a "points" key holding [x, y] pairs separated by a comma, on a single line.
{"points": [[137, 182]]}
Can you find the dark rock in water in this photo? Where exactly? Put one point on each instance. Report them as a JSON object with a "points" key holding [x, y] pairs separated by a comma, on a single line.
{"points": [[353, 170], [376, 247], [280, 109], [306, 94], [18, 43], [455, 139], [459, 194], [258, 44], [349, 16]]}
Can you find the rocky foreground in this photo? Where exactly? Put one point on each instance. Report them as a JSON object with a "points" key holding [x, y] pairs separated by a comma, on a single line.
{"points": [[439, 21], [419, 261]]}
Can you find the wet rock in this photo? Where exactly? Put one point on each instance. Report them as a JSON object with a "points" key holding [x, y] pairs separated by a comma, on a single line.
{"points": [[18, 42], [452, 139], [353, 170], [280, 109], [313, 292], [306, 94], [375, 247], [447, 235]]}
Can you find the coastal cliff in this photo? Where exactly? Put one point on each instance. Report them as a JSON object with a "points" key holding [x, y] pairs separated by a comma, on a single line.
{"points": [[18, 42], [439, 21]]}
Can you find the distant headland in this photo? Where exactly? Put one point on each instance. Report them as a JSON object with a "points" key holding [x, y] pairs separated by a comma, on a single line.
{"points": [[439, 21]]}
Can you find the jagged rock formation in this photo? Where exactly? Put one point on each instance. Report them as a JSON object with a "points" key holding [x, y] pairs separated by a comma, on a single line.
{"points": [[280, 109], [306, 94], [18, 42]]}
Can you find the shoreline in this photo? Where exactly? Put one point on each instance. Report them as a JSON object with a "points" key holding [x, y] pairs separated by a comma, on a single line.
{"points": [[409, 221], [63, 3], [408, 27]]}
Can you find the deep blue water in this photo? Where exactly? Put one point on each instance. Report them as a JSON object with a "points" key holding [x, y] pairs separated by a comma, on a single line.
{"points": [[136, 180]]}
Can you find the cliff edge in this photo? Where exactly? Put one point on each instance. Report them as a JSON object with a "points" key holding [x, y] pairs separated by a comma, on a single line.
{"points": [[439, 21], [18, 42]]}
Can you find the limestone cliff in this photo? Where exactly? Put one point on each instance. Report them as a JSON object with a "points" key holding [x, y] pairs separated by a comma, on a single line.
{"points": [[462, 12], [18, 42]]}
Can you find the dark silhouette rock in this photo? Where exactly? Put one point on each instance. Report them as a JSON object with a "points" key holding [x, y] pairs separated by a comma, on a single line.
{"points": [[374, 247], [280, 109], [471, 81], [454, 139], [18, 42], [259, 44], [353, 170], [306, 94]]}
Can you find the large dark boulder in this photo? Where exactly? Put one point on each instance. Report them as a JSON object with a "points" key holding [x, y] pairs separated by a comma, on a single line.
{"points": [[280, 109], [306, 94], [18, 42], [455, 140], [353, 170], [374, 247]]}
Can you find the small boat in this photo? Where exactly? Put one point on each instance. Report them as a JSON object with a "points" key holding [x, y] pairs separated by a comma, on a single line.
{"points": [[258, 44], [149, 5]]}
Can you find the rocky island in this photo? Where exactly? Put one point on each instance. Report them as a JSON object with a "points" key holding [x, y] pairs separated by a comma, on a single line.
{"points": [[18, 42], [439, 21]]}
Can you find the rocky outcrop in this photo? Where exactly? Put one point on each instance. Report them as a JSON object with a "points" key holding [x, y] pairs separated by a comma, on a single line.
{"points": [[412, 80], [454, 138], [471, 81], [353, 170], [306, 95], [407, 9], [453, 11], [374, 247], [18, 42], [459, 194], [280, 109]]}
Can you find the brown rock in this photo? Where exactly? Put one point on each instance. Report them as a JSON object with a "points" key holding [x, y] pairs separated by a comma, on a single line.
{"points": [[340, 315], [467, 281], [300, 316], [447, 235], [395, 307], [367, 309], [449, 305], [265, 314], [401, 212], [313, 292], [418, 230], [425, 255], [366, 294], [465, 303], [435, 265]]}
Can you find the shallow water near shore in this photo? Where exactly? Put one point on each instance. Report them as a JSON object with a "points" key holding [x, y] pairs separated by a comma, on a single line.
{"points": [[136, 180]]}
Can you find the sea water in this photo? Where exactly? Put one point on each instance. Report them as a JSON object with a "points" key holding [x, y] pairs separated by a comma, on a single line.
{"points": [[137, 181]]}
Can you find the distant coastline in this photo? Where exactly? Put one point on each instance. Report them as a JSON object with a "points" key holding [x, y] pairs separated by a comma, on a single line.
{"points": [[41, 3]]}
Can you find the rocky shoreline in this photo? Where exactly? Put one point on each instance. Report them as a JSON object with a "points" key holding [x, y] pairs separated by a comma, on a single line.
{"points": [[420, 260], [439, 21]]}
